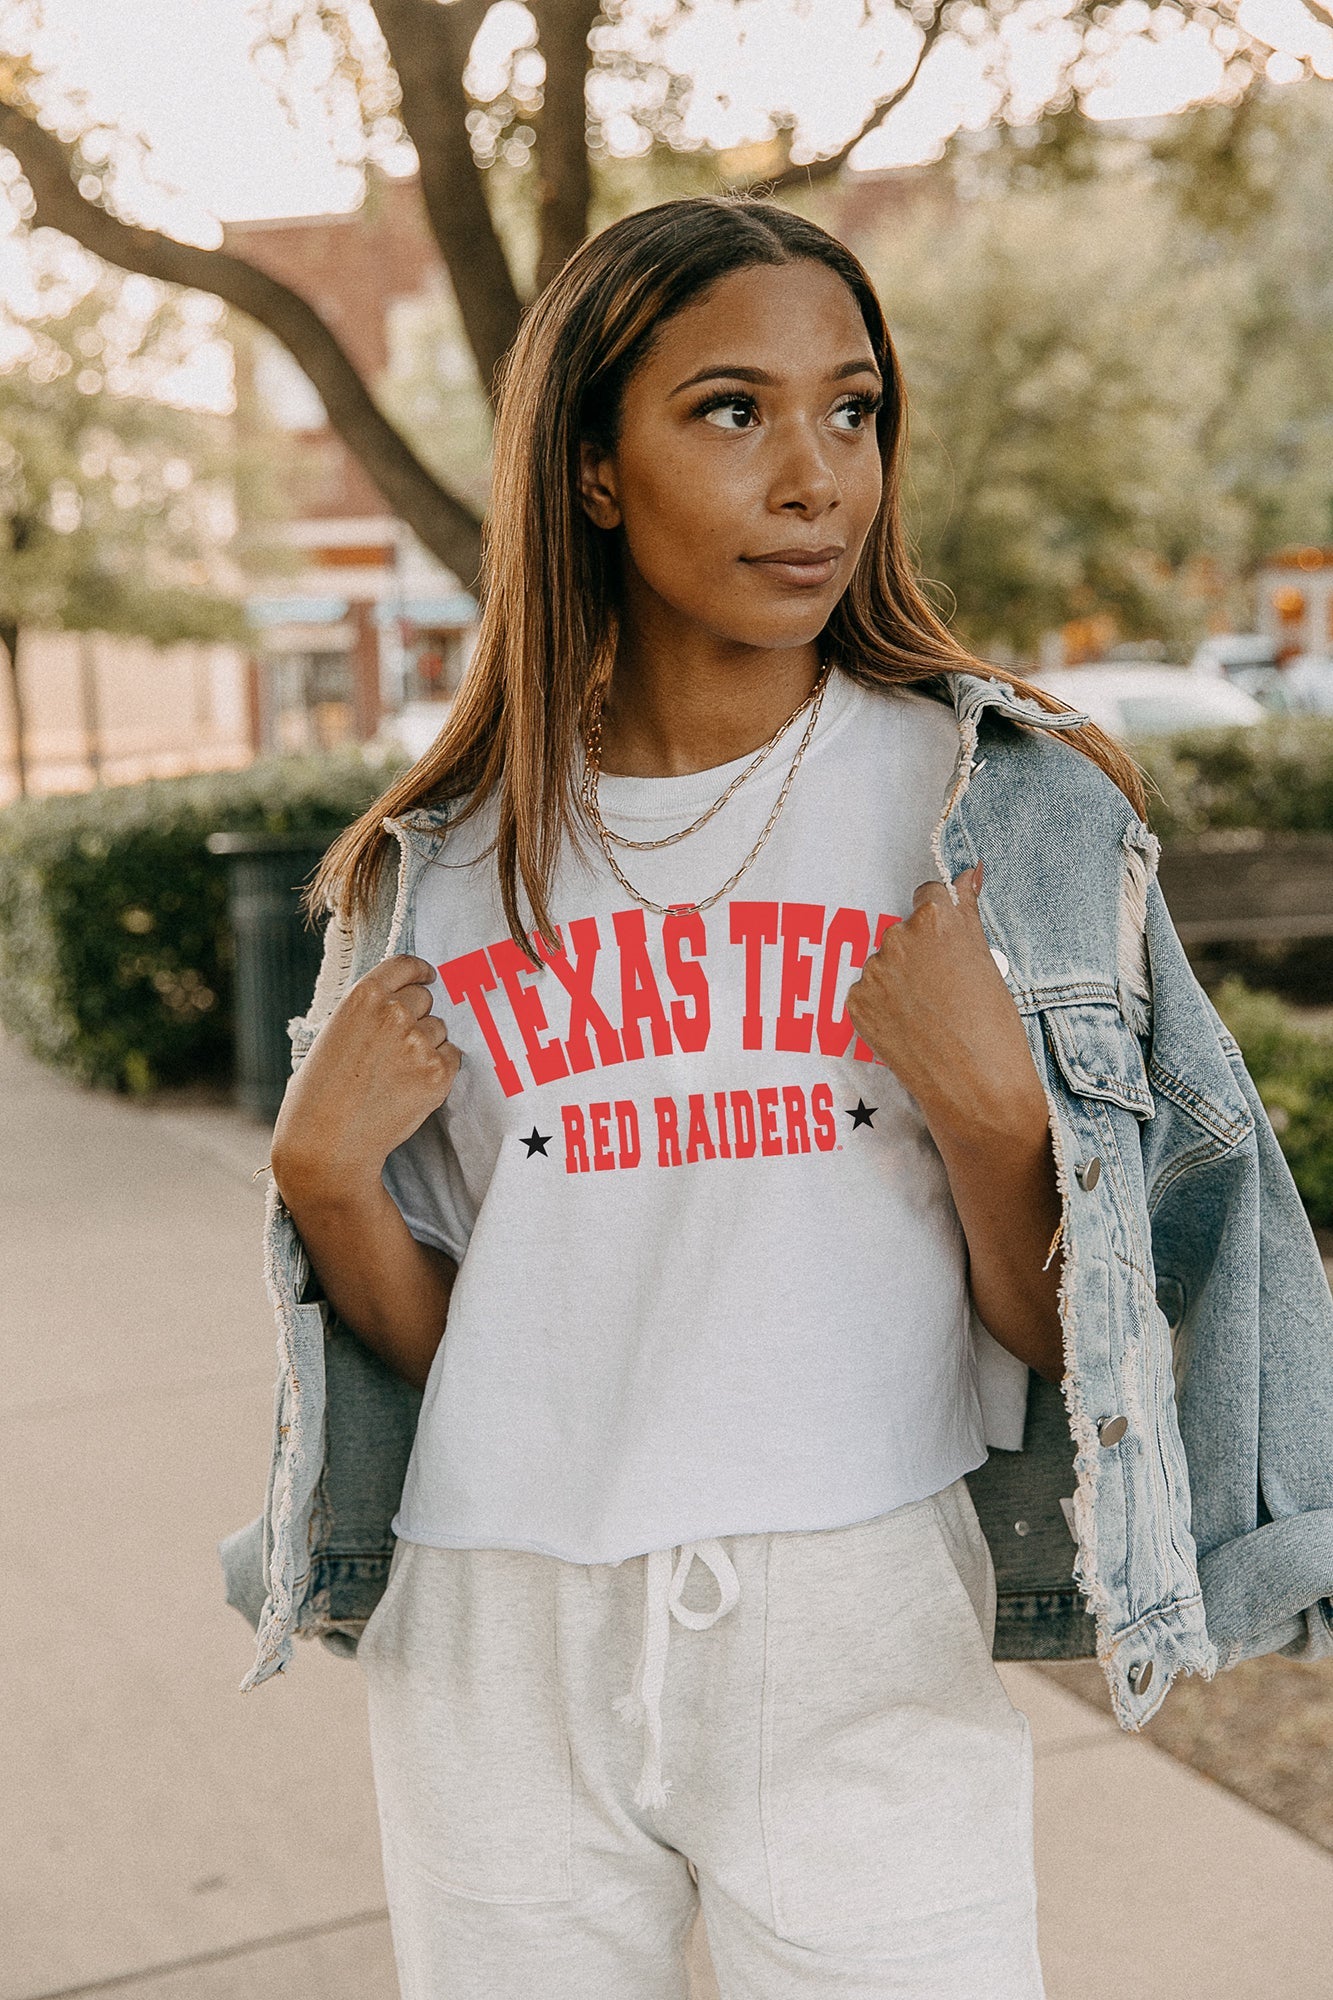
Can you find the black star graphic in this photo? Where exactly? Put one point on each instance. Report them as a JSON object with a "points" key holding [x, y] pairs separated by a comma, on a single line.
{"points": [[864, 1114], [537, 1143]]}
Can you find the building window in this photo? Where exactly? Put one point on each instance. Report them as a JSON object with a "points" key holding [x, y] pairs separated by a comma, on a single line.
{"points": [[434, 661], [310, 702]]}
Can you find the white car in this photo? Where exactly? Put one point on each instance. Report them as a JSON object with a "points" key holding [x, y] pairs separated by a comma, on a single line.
{"points": [[1307, 683], [1225, 653], [1129, 701]]}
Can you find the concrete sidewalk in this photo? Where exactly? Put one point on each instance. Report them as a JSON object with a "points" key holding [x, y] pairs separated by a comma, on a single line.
{"points": [[164, 1838]]}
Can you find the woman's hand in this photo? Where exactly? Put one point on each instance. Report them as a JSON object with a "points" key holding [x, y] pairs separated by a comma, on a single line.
{"points": [[379, 1066], [933, 1005]]}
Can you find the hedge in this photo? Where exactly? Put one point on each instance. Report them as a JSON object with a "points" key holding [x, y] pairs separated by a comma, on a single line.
{"points": [[1291, 1062], [115, 947], [115, 951], [1276, 774]]}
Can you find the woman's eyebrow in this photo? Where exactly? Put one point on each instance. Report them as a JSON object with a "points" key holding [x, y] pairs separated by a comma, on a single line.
{"points": [[767, 381]]}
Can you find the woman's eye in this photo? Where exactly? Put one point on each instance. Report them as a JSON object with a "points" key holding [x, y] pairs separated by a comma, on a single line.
{"points": [[863, 408], [725, 403]]}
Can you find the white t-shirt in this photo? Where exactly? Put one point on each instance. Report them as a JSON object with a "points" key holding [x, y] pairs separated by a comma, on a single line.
{"points": [[711, 1277]]}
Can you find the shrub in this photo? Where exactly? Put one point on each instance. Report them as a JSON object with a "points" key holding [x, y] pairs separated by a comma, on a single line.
{"points": [[1277, 775], [1292, 1066], [115, 945]]}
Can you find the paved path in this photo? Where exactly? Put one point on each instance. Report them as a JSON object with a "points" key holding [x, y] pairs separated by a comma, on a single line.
{"points": [[164, 1838]]}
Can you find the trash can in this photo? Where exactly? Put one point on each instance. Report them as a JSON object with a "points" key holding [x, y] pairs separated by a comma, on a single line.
{"points": [[277, 955]]}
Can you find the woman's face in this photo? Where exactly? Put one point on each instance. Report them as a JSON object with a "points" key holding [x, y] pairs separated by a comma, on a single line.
{"points": [[747, 434]]}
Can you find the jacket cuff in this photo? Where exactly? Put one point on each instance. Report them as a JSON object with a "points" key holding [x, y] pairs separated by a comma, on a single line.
{"points": [[1271, 1578]]}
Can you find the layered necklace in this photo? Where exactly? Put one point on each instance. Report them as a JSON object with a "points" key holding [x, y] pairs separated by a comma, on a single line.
{"points": [[592, 771]]}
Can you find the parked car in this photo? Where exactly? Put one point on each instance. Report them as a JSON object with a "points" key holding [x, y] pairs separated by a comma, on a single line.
{"points": [[1268, 685], [1307, 683], [1129, 701], [1229, 654], [1300, 686], [1138, 653]]}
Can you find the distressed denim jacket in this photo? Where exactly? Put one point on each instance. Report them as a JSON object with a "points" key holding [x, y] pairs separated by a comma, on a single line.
{"points": [[1170, 1506]]}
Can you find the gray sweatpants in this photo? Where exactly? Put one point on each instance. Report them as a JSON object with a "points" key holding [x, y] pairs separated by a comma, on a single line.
{"points": [[803, 1731]]}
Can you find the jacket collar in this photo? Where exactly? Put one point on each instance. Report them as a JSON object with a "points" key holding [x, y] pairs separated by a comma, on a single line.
{"points": [[971, 693], [422, 830]]}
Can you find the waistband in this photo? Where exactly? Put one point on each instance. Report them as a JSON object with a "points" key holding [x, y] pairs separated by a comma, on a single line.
{"points": [[663, 1585]]}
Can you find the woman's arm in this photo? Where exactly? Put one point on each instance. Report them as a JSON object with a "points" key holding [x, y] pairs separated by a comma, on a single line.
{"points": [[933, 1006], [379, 1066]]}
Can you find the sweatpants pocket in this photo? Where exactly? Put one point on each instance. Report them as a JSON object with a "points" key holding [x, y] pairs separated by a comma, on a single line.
{"points": [[895, 1783], [365, 1645], [471, 1759]]}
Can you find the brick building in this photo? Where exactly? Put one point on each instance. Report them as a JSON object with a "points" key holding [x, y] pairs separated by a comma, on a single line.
{"points": [[371, 634]]}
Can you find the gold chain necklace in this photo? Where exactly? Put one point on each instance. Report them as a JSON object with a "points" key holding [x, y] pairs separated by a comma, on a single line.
{"points": [[592, 771]]}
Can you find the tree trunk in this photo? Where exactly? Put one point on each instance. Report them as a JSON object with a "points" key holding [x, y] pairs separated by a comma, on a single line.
{"points": [[9, 640], [565, 184], [428, 45], [91, 706]]}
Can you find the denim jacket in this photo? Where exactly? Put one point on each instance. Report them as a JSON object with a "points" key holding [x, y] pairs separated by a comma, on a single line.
{"points": [[1170, 1505]]}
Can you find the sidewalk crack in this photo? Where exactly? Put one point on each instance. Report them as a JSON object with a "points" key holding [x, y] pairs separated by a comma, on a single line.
{"points": [[247, 1948]]}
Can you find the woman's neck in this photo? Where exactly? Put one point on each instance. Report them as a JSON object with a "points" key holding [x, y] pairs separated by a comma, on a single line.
{"points": [[664, 719]]}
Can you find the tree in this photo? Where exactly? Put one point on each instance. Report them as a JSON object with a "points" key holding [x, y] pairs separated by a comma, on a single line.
{"points": [[1120, 387], [117, 510], [585, 72]]}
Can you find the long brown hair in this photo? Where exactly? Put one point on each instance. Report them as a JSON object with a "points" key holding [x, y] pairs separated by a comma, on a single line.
{"points": [[548, 621]]}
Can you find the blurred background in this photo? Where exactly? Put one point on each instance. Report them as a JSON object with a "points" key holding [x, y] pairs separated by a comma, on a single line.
{"points": [[259, 261]]}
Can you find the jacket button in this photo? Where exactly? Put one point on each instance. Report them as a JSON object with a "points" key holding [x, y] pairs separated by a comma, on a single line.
{"points": [[1088, 1172], [1000, 960], [1112, 1430], [1140, 1676], [1022, 1528]]}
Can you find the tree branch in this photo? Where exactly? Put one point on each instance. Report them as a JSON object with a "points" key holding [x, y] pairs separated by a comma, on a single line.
{"points": [[565, 186], [428, 46], [813, 171], [448, 528], [9, 646]]}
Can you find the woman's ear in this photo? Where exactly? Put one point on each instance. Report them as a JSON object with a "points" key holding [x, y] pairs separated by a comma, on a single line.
{"points": [[597, 488]]}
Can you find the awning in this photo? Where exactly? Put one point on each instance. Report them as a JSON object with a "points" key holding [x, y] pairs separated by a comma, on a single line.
{"points": [[455, 608], [296, 610]]}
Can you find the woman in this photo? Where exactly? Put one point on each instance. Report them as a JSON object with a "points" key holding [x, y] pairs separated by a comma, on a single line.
{"points": [[739, 1300]]}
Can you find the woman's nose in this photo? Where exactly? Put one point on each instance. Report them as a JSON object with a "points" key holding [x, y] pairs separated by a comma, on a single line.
{"points": [[806, 477]]}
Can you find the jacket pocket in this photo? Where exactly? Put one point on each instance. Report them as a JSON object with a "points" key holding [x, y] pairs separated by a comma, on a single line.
{"points": [[1107, 1098], [1099, 1055]]}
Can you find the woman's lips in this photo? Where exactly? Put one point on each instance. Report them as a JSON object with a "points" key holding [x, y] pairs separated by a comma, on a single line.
{"points": [[791, 570]]}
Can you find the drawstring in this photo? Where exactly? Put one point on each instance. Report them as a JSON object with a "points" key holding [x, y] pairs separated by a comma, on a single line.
{"points": [[662, 1603]]}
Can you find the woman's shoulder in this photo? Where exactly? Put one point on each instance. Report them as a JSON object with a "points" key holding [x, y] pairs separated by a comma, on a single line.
{"points": [[926, 706], [1045, 761], [1022, 747]]}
